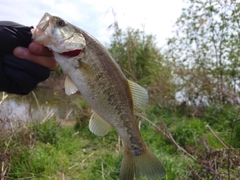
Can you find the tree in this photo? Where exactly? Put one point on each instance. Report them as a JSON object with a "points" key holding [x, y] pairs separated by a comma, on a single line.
{"points": [[205, 52], [141, 61]]}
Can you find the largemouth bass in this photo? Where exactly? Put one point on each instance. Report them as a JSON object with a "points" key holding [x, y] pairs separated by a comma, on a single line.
{"points": [[91, 69]]}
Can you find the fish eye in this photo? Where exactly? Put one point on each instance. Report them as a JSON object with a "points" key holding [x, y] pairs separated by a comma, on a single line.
{"points": [[60, 23]]}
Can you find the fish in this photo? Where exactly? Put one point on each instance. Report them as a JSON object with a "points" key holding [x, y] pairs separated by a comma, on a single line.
{"points": [[90, 69]]}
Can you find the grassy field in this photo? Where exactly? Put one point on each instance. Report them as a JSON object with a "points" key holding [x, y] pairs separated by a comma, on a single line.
{"points": [[189, 147]]}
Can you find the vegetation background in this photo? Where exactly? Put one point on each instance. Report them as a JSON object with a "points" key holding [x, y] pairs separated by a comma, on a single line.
{"points": [[192, 122]]}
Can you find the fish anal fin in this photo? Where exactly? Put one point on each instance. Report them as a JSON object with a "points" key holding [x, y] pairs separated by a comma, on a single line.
{"points": [[146, 164], [139, 94], [70, 87], [98, 125]]}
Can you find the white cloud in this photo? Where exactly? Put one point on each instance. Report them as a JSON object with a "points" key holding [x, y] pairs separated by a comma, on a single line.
{"points": [[95, 16]]}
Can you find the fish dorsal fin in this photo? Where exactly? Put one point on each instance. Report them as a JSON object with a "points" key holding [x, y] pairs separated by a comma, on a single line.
{"points": [[70, 87], [139, 94], [98, 125]]}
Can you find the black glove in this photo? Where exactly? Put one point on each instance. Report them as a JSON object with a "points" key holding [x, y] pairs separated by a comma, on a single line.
{"points": [[18, 76]]}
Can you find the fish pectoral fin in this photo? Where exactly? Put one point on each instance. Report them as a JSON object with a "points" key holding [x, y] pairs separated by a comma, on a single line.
{"points": [[98, 125], [139, 94], [70, 87]]}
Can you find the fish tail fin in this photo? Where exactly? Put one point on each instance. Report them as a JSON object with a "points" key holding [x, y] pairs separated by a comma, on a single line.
{"points": [[146, 164], [127, 167]]}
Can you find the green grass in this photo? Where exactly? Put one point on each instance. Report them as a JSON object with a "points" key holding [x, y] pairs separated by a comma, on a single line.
{"points": [[51, 150], [61, 151]]}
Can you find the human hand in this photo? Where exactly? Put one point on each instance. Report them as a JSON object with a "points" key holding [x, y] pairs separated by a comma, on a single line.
{"points": [[36, 53], [21, 74]]}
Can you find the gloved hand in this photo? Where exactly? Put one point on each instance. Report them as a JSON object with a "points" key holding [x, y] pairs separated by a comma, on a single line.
{"points": [[18, 76]]}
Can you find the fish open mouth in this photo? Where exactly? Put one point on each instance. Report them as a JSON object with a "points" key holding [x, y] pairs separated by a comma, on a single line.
{"points": [[72, 53]]}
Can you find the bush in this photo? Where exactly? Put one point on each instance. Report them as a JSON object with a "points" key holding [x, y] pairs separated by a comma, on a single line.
{"points": [[189, 132], [236, 136], [220, 116]]}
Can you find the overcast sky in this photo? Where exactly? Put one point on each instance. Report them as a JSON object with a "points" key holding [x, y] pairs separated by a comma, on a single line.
{"points": [[95, 16]]}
